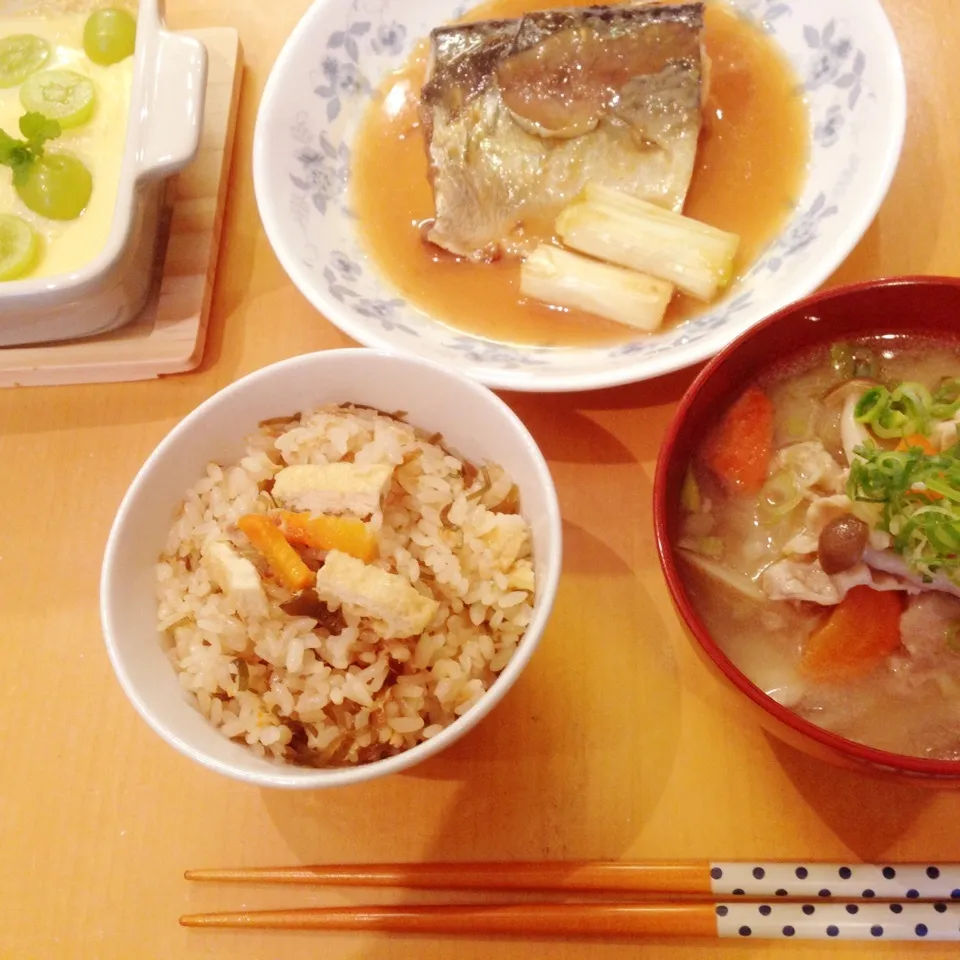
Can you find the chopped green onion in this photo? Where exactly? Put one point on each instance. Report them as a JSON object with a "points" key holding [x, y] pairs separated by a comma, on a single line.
{"points": [[891, 424], [779, 496], [871, 404], [913, 400], [711, 547], [946, 401], [690, 498], [892, 463], [796, 428], [942, 530], [944, 489], [908, 409], [914, 395], [920, 498]]}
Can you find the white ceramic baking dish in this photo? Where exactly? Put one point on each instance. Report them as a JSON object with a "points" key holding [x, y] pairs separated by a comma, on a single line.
{"points": [[163, 136]]}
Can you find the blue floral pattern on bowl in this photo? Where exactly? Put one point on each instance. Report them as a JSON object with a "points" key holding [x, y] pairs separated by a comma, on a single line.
{"points": [[851, 79]]}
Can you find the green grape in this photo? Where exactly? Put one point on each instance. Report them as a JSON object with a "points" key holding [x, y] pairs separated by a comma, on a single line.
{"points": [[21, 55], [19, 246], [61, 95], [57, 186], [109, 36]]}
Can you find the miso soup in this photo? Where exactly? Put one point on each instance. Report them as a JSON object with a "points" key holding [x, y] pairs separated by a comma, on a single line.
{"points": [[820, 537]]}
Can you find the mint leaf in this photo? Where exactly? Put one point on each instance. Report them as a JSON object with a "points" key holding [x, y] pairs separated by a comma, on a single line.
{"points": [[15, 154], [38, 129], [20, 155], [21, 169], [7, 147]]}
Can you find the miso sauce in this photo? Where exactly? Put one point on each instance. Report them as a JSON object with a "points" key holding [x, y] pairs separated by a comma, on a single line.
{"points": [[751, 165]]}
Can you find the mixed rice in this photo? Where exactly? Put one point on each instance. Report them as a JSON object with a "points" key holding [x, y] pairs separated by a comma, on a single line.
{"points": [[371, 645]]}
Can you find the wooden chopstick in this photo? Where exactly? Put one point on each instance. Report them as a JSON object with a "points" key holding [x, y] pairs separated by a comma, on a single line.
{"points": [[528, 920], [739, 920], [746, 880], [580, 877]]}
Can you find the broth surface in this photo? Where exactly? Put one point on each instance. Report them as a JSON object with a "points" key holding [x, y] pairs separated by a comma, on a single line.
{"points": [[751, 165], [902, 706]]}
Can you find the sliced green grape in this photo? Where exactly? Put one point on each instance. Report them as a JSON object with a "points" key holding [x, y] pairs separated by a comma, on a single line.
{"points": [[109, 36], [21, 55], [62, 95], [19, 246], [57, 186]]}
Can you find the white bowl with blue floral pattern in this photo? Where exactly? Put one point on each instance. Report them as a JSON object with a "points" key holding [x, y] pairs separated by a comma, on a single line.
{"points": [[844, 51]]}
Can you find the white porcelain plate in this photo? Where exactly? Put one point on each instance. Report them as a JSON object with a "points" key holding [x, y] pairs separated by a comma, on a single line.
{"points": [[844, 51]]}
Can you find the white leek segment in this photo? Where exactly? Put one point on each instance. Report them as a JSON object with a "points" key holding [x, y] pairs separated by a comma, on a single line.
{"points": [[566, 279], [621, 229]]}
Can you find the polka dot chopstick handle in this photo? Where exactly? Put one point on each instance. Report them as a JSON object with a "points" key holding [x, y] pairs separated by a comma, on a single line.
{"points": [[838, 921], [863, 881]]}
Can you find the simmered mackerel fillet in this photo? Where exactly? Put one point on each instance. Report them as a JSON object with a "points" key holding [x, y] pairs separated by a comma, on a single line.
{"points": [[519, 115]]}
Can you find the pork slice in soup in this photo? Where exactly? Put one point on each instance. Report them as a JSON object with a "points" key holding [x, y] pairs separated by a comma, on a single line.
{"points": [[820, 531]]}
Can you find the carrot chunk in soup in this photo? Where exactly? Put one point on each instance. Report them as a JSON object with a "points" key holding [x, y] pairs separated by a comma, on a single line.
{"points": [[739, 450], [917, 440], [862, 631]]}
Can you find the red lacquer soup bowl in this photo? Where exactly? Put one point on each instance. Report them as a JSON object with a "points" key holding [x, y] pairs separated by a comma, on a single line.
{"points": [[894, 307]]}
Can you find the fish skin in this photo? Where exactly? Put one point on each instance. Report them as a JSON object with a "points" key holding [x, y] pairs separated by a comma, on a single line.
{"points": [[498, 180]]}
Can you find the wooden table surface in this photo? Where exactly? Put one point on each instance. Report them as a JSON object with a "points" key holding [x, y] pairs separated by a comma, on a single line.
{"points": [[615, 743]]}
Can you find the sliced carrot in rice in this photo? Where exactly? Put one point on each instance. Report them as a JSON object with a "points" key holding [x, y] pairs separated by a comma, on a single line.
{"points": [[861, 632], [740, 448], [284, 562], [346, 534]]}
